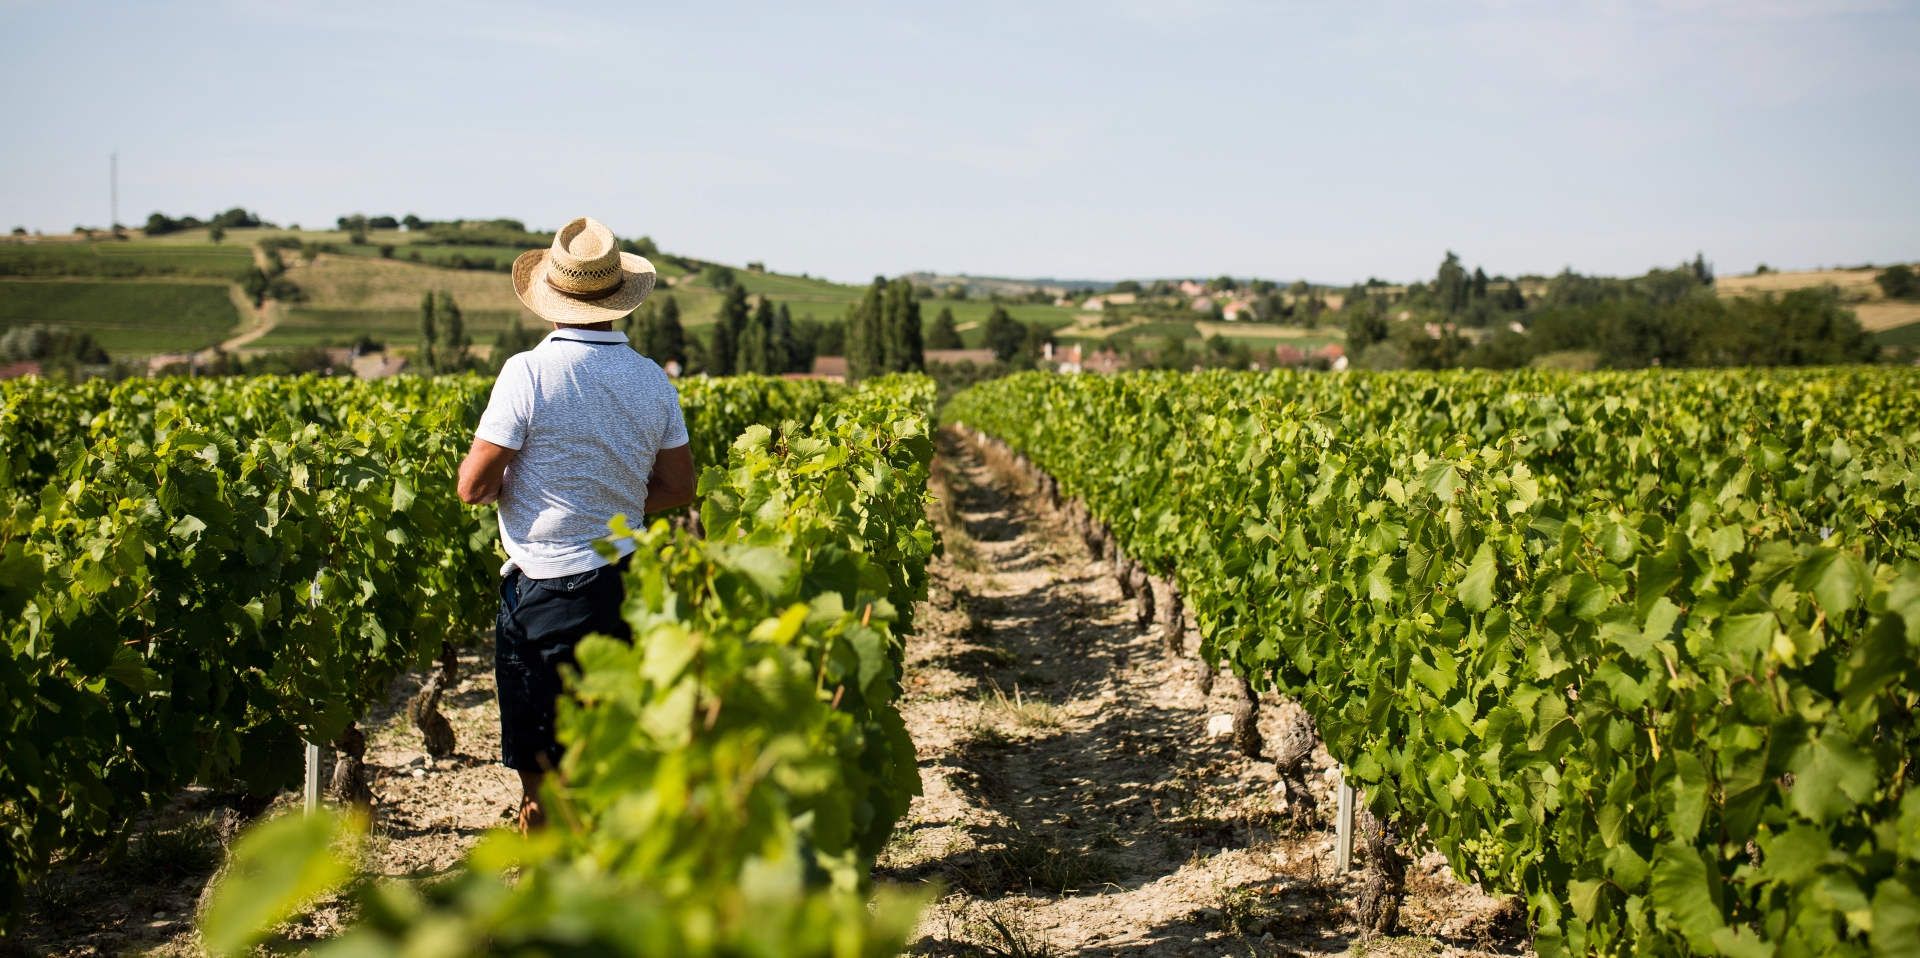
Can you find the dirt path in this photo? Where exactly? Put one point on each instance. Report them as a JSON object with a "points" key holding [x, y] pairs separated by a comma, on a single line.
{"points": [[1075, 803]]}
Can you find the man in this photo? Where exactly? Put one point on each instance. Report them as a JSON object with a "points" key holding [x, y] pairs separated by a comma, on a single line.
{"points": [[580, 428]]}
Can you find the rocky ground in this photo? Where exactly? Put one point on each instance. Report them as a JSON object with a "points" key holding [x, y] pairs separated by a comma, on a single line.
{"points": [[1083, 794]]}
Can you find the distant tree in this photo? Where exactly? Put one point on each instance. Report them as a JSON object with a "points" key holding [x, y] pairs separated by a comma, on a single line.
{"points": [[722, 355], [412, 222], [386, 250], [216, 233], [718, 276], [1451, 285], [644, 246], [515, 338], [1762, 270], [820, 339], [1298, 289], [905, 347], [1511, 298], [1260, 287], [944, 334], [1222, 283], [255, 283], [1033, 342], [429, 329], [453, 332], [1127, 286], [1702, 273], [1477, 289], [1004, 334], [756, 342], [1898, 282], [661, 338], [756, 266], [357, 237], [383, 223], [864, 337], [786, 348], [235, 218]]}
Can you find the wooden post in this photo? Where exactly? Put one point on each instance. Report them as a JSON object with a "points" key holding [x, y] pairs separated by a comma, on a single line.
{"points": [[1343, 828], [312, 789], [310, 792]]}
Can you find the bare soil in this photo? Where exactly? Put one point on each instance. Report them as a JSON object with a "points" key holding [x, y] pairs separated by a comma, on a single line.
{"points": [[1075, 802]]}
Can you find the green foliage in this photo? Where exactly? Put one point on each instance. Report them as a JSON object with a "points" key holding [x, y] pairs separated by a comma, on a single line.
{"points": [[883, 331], [1641, 648], [50, 343], [194, 573], [944, 334], [660, 336], [1898, 282], [275, 869], [730, 775], [1004, 335]]}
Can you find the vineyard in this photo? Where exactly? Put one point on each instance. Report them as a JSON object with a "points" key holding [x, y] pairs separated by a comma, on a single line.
{"points": [[1644, 649], [1641, 649]]}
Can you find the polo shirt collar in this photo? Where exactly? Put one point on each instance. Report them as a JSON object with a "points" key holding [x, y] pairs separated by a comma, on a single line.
{"points": [[585, 336]]}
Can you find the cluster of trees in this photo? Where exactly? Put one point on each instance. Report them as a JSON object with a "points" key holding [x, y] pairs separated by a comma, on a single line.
{"points": [[1668, 317], [883, 331], [52, 346], [160, 224], [752, 335], [271, 282], [945, 333], [755, 338], [1899, 282], [443, 334]]}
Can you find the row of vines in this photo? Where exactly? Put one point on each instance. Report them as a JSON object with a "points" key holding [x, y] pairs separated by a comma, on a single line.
{"points": [[729, 775], [197, 574], [1641, 648]]}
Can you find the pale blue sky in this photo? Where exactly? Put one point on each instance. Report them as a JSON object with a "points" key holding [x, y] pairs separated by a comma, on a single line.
{"points": [[1327, 140]]}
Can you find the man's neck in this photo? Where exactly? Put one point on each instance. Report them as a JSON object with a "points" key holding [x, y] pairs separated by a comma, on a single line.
{"points": [[606, 327]]}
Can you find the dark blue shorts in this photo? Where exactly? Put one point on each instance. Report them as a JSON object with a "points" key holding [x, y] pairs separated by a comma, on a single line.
{"points": [[539, 623]]}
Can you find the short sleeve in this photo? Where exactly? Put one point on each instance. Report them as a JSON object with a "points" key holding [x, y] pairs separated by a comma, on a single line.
{"points": [[510, 409], [675, 435]]}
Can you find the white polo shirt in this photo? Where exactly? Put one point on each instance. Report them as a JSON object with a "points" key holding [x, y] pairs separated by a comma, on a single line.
{"points": [[588, 415]]}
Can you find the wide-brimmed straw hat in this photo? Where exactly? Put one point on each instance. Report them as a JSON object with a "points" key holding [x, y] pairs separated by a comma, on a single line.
{"points": [[583, 278]]}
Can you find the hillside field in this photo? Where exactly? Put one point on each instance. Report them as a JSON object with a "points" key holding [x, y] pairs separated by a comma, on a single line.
{"points": [[126, 318], [126, 258]]}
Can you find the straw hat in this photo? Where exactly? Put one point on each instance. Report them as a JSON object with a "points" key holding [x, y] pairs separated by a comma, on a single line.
{"points": [[583, 278]]}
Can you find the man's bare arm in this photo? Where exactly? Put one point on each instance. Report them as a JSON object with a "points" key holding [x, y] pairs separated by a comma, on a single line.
{"points": [[672, 483], [482, 472]]}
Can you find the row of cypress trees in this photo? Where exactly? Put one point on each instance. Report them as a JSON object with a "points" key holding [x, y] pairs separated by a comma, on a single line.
{"points": [[883, 331]]}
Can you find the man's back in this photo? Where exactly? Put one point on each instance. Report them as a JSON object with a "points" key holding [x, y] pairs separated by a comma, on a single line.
{"points": [[587, 415]]}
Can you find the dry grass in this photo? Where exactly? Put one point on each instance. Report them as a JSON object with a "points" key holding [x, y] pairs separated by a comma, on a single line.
{"points": [[1884, 315], [364, 283], [1849, 281]]}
